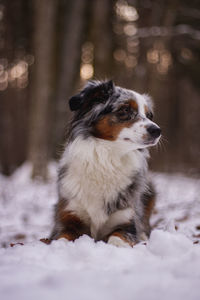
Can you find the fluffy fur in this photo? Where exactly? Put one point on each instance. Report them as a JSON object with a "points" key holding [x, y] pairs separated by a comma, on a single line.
{"points": [[103, 185]]}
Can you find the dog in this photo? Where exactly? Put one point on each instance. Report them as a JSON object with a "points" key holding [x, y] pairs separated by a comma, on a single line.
{"points": [[103, 185]]}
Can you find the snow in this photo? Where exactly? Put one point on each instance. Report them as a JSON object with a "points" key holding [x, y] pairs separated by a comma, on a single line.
{"points": [[165, 267]]}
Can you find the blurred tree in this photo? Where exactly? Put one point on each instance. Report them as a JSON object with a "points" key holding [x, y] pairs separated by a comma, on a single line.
{"points": [[15, 30], [40, 123], [160, 77], [149, 46], [102, 38], [73, 32]]}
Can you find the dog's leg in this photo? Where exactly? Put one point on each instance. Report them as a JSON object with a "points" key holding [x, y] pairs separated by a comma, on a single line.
{"points": [[69, 226], [124, 236], [148, 200], [148, 208], [119, 240]]}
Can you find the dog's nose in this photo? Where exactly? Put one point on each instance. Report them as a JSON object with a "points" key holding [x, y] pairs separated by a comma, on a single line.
{"points": [[154, 131]]}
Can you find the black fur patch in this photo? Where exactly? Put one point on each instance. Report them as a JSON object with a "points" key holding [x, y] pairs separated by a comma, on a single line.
{"points": [[75, 102], [122, 201], [92, 94], [62, 171], [148, 195]]}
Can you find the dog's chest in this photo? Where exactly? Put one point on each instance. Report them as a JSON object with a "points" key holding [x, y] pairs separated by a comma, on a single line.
{"points": [[94, 180]]}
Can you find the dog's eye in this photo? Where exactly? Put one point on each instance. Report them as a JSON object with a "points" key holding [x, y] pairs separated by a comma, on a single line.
{"points": [[150, 115], [124, 109], [126, 112]]}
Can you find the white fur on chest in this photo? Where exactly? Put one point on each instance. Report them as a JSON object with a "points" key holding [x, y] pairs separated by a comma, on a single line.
{"points": [[97, 171]]}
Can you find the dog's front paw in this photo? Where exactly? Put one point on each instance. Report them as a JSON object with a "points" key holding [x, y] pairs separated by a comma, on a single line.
{"points": [[118, 242]]}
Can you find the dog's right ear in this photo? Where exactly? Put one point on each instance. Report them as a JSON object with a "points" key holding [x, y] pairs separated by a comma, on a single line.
{"points": [[75, 102]]}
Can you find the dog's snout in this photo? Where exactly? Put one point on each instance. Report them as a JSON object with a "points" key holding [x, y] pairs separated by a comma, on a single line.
{"points": [[154, 131]]}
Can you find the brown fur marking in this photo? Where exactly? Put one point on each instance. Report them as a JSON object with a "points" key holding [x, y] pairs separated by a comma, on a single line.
{"points": [[67, 236], [109, 127], [149, 208], [146, 109], [73, 227], [133, 104]]}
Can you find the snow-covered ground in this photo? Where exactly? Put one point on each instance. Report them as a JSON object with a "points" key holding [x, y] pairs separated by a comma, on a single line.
{"points": [[166, 267]]}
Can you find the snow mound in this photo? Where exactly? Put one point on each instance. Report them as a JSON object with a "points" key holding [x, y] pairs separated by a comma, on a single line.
{"points": [[168, 267], [166, 244]]}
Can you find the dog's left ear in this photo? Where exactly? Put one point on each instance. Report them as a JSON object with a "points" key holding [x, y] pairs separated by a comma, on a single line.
{"points": [[109, 86], [93, 92], [105, 88], [99, 91]]}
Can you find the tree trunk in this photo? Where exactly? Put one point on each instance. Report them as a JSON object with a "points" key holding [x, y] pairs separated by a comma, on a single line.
{"points": [[158, 86], [44, 23], [69, 63], [102, 37]]}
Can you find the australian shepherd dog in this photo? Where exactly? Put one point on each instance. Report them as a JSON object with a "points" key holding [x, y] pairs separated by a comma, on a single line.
{"points": [[103, 185]]}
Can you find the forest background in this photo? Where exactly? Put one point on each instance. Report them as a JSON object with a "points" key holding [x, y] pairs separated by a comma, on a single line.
{"points": [[50, 48]]}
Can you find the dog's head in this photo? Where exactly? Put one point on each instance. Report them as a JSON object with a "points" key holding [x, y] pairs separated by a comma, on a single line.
{"points": [[112, 113]]}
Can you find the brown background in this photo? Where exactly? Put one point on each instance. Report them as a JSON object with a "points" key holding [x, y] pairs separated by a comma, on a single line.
{"points": [[49, 48]]}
